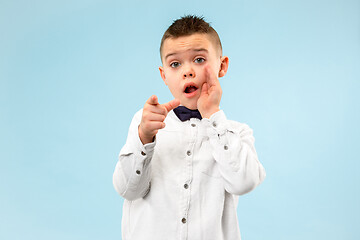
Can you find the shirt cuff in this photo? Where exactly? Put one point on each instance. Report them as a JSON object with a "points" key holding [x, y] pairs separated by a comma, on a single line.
{"points": [[144, 150], [218, 123]]}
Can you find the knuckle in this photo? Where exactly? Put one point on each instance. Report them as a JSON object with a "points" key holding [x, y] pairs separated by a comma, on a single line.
{"points": [[163, 111], [146, 107], [145, 115]]}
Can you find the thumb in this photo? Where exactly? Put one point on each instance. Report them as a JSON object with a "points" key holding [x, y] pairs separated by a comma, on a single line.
{"points": [[172, 104], [153, 100]]}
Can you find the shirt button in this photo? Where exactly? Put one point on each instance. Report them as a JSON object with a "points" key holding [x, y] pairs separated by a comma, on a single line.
{"points": [[186, 186], [193, 125], [183, 220], [188, 152], [214, 124], [142, 153], [138, 172], [226, 147]]}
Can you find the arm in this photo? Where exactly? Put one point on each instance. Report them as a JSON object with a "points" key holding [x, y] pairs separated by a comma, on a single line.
{"points": [[132, 174], [232, 143], [234, 152]]}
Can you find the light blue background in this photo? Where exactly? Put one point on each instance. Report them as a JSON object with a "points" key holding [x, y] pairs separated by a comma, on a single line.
{"points": [[72, 74]]}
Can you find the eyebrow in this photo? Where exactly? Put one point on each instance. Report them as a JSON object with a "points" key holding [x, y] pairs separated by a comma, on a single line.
{"points": [[194, 50]]}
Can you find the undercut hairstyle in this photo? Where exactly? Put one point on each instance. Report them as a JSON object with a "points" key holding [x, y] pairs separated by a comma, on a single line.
{"points": [[188, 25]]}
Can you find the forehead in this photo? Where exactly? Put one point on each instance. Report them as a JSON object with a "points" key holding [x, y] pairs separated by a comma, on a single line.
{"points": [[187, 43]]}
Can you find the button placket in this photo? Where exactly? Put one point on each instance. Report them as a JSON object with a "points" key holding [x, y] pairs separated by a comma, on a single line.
{"points": [[186, 190], [191, 133]]}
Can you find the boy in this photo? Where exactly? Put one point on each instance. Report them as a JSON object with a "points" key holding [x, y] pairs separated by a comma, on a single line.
{"points": [[183, 167]]}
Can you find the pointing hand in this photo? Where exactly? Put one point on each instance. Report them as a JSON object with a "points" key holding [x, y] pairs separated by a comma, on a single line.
{"points": [[153, 118]]}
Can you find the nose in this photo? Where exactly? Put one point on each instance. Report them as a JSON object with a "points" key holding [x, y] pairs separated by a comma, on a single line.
{"points": [[189, 72]]}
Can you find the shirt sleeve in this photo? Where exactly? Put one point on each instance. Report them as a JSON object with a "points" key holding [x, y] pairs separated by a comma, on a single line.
{"points": [[131, 178], [234, 152]]}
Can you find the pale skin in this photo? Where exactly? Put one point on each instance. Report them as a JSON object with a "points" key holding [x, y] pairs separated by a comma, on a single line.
{"points": [[153, 117], [190, 60]]}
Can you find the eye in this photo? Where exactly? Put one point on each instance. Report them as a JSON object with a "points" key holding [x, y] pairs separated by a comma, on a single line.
{"points": [[199, 60], [174, 64]]}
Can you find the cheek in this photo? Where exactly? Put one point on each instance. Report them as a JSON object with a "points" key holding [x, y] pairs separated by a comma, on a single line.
{"points": [[174, 87], [201, 78]]}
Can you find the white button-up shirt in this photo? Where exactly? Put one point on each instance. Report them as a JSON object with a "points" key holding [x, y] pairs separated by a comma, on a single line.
{"points": [[185, 185]]}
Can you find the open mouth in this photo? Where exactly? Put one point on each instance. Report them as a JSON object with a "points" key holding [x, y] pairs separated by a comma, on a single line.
{"points": [[190, 89]]}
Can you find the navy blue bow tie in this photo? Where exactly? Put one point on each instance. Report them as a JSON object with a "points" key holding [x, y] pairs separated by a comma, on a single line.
{"points": [[184, 114]]}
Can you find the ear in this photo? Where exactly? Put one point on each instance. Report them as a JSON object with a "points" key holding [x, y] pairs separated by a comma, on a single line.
{"points": [[224, 66], [162, 74]]}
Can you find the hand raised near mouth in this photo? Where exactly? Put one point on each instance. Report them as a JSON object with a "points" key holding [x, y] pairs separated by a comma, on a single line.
{"points": [[209, 100], [153, 117]]}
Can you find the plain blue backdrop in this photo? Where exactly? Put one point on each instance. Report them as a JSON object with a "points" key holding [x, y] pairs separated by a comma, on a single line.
{"points": [[73, 73]]}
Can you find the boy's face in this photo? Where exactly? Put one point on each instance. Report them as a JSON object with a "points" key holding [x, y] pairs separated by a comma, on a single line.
{"points": [[184, 59]]}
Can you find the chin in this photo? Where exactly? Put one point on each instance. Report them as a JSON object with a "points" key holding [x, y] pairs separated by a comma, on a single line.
{"points": [[191, 106], [189, 103]]}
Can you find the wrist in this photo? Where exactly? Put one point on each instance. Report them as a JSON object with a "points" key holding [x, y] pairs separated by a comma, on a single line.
{"points": [[207, 114], [145, 138]]}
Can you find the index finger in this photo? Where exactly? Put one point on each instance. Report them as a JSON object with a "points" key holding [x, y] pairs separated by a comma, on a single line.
{"points": [[153, 100]]}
